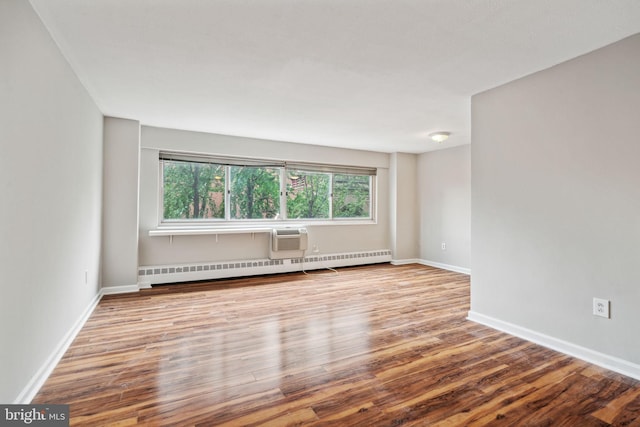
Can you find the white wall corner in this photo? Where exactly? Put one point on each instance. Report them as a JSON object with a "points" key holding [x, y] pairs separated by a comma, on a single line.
{"points": [[606, 361], [38, 380]]}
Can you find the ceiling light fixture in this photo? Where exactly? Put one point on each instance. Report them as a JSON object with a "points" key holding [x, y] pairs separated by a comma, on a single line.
{"points": [[439, 136]]}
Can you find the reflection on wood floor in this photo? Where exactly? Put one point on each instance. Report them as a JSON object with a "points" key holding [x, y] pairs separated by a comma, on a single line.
{"points": [[370, 346]]}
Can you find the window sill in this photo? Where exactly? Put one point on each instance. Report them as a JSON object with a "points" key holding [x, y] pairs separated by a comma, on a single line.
{"points": [[197, 230]]}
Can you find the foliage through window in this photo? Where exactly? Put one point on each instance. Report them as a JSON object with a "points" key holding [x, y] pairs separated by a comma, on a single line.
{"points": [[255, 192], [308, 194], [193, 190], [351, 196], [210, 190]]}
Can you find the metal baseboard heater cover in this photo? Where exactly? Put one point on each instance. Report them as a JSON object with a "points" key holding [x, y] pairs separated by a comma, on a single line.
{"points": [[287, 243], [176, 273]]}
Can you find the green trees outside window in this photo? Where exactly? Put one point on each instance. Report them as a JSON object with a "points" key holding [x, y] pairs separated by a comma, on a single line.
{"points": [[307, 194], [351, 196], [255, 192], [193, 190], [201, 191]]}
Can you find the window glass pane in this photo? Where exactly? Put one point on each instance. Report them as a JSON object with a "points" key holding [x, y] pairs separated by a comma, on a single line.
{"points": [[351, 196], [192, 190], [255, 192], [307, 194]]}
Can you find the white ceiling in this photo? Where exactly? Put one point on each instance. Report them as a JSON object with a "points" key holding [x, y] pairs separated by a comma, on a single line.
{"points": [[364, 74]]}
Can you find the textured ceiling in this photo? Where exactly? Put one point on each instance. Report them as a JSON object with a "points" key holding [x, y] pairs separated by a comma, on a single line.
{"points": [[365, 74]]}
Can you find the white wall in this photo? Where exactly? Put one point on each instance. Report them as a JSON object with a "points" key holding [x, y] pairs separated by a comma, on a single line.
{"points": [[186, 249], [120, 218], [556, 201], [50, 186], [444, 195], [403, 205]]}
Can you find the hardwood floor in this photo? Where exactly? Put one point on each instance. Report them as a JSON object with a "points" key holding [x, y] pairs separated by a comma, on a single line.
{"points": [[371, 346]]}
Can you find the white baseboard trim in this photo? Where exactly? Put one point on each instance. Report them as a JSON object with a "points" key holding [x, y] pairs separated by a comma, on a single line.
{"points": [[37, 381], [606, 361], [455, 268], [405, 261], [123, 289]]}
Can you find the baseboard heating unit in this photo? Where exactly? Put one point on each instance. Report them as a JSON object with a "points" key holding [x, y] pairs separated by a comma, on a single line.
{"points": [[151, 275]]}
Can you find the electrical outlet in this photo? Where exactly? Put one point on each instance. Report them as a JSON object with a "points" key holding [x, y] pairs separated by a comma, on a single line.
{"points": [[444, 246], [86, 277], [601, 307], [315, 249]]}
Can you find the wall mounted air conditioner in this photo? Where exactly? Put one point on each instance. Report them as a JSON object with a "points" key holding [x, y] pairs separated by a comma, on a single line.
{"points": [[288, 243]]}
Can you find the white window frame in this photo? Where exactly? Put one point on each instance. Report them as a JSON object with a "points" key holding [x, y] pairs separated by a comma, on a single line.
{"points": [[227, 222]]}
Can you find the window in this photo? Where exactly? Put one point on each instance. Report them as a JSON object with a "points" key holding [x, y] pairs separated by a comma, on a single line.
{"points": [[308, 194], [255, 192], [193, 190], [351, 196], [215, 189]]}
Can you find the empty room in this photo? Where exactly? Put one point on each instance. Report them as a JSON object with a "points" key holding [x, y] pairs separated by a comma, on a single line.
{"points": [[318, 212]]}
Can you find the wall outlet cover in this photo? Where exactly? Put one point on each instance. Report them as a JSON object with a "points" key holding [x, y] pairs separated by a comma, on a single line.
{"points": [[601, 307]]}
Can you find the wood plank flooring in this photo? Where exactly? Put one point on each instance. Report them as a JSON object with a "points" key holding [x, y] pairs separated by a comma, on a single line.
{"points": [[370, 346]]}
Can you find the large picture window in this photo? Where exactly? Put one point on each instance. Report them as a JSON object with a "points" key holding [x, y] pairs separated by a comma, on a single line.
{"points": [[308, 194], [351, 196], [219, 190], [193, 190], [255, 192]]}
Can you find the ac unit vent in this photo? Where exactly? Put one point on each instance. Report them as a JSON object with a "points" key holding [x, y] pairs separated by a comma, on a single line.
{"points": [[288, 243]]}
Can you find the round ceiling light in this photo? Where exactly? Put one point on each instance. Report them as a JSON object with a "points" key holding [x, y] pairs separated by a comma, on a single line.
{"points": [[439, 136]]}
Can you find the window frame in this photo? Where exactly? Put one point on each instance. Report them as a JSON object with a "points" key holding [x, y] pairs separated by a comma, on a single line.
{"points": [[283, 168], [286, 172]]}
